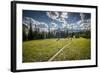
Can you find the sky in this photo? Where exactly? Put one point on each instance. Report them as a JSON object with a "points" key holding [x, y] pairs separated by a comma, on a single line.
{"points": [[54, 19]]}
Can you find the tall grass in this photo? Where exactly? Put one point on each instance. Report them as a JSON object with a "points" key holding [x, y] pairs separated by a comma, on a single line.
{"points": [[79, 49], [42, 50]]}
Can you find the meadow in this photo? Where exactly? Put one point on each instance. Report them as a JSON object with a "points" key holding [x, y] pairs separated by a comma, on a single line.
{"points": [[42, 50]]}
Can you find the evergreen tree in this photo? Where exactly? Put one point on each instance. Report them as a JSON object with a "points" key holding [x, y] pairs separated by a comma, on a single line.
{"points": [[30, 35]]}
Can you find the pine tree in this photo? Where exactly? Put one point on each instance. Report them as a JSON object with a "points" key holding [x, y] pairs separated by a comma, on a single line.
{"points": [[30, 36]]}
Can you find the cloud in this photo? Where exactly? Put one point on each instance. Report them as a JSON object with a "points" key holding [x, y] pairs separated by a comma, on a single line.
{"points": [[64, 24], [53, 15], [43, 25], [64, 15], [53, 26], [35, 24], [58, 16], [28, 20], [86, 25]]}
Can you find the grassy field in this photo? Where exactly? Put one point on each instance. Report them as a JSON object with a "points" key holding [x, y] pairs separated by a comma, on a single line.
{"points": [[42, 50]]}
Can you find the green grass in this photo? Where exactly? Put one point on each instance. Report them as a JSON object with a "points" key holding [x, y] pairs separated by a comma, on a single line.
{"points": [[79, 49], [42, 50]]}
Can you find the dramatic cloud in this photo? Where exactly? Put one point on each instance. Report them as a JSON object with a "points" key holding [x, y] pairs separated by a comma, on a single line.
{"points": [[86, 25], [28, 20], [83, 24], [59, 16], [53, 15], [43, 27], [35, 24], [64, 15], [80, 25], [53, 26], [64, 24]]}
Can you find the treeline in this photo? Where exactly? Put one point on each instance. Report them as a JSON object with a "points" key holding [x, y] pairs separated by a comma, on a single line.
{"points": [[34, 35], [84, 34], [29, 34]]}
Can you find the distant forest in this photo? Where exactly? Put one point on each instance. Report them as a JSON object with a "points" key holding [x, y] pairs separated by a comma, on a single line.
{"points": [[30, 34]]}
